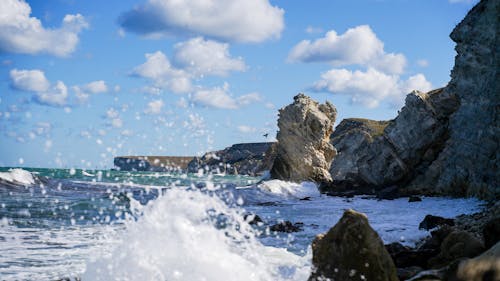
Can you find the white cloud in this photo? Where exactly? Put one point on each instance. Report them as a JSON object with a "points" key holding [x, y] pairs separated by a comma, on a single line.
{"points": [[154, 107], [423, 63], [220, 97], [159, 69], [206, 57], [117, 123], [20, 33], [56, 96], [182, 103], [230, 20], [96, 87], [217, 97], [312, 30], [112, 113], [357, 46], [29, 80], [246, 129], [249, 98], [369, 88]]}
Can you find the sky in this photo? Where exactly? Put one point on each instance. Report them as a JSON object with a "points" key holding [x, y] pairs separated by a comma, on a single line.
{"points": [[84, 81]]}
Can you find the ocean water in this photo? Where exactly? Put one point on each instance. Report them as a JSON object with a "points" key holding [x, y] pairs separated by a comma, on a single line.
{"points": [[112, 225]]}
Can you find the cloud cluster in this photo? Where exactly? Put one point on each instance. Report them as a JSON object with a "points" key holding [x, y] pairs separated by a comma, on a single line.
{"points": [[357, 46], [370, 87], [229, 20], [220, 97], [379, 77], [21, 33], [194, 59], [56, 95]]}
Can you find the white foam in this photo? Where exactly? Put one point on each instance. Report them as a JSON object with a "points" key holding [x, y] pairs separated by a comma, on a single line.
{"points": [[18, 176], [175, 239], [290, 189]]}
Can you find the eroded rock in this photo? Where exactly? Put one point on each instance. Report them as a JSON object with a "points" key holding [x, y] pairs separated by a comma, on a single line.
{"points": [[304, 151]]}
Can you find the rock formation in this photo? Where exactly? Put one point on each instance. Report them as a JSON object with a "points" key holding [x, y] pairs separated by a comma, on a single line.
{"points": [[351, 250], [304, 151], [444, 142], [245, 158], [469, 162]]}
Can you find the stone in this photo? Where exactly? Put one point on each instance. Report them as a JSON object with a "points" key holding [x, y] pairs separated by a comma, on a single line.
{"points": [[491, 232], [287, 226], [252, 159], [304, 151], [405, 257], [253, 219], [152, 163], [485, 267], [414, 199], [351, 250], [458, 244], [431, 222]]}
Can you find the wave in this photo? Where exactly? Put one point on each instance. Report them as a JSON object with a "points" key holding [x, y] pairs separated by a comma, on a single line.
{"points": [[18, 177], [190, 235], [290, 189]]}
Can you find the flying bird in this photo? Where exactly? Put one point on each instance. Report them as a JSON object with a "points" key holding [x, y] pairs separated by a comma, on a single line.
{"points": [[265, 135]]}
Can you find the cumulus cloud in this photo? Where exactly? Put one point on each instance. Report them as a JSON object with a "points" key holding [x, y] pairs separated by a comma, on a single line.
{"points": [[82, 93], [423, 63], [55, 96], [370, 87], [246, 129], [154, 107], [357, 46], [229, 20], [159, 69], [21, 33], [206, 57], [220, 97], [29, 80]]}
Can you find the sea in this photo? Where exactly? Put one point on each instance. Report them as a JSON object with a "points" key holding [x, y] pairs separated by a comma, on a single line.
{"points": [[119, 225]]}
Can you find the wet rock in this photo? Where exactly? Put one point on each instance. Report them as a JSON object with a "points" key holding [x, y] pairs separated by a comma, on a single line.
{"points": [[408, 272], [287, 226], [351, 250], [404, 257], [253, 219], [482, 268], [304, 151], [307, 198], [414, 199], [458, 244], [431, 222], [491, 232]]}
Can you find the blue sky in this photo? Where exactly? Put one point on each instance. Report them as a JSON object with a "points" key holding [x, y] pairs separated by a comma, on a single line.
{"points": [[84, 81]]}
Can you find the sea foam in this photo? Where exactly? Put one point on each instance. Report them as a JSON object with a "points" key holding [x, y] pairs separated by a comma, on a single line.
{"points": [[190, 235], [18, 177]]}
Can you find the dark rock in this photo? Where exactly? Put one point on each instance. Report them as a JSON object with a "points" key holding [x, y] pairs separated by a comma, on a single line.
{"points": [[485, 267], [431, 222], [414, 199], [243, 158], [436, 239], [389, 193], [408, 272], [458, 244], [152, 163], [491, 232], [351, 250], [253, 219], [304, 151], [406, 257], [307, 198], [287, 226]]}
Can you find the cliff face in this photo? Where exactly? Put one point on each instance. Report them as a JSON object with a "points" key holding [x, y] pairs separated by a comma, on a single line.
{"points": [[304, 151], [469, 162], [376, 154], [445, 142], [245, 158]]}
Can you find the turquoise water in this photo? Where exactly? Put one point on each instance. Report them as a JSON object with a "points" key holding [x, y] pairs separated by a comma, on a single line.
{"points": [[113, 225]]}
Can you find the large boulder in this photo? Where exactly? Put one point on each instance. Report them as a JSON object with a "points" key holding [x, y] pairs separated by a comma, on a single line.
{"points": [[304, 151], [458, 244], [351, 250], [484, 267], [244, 158]]}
